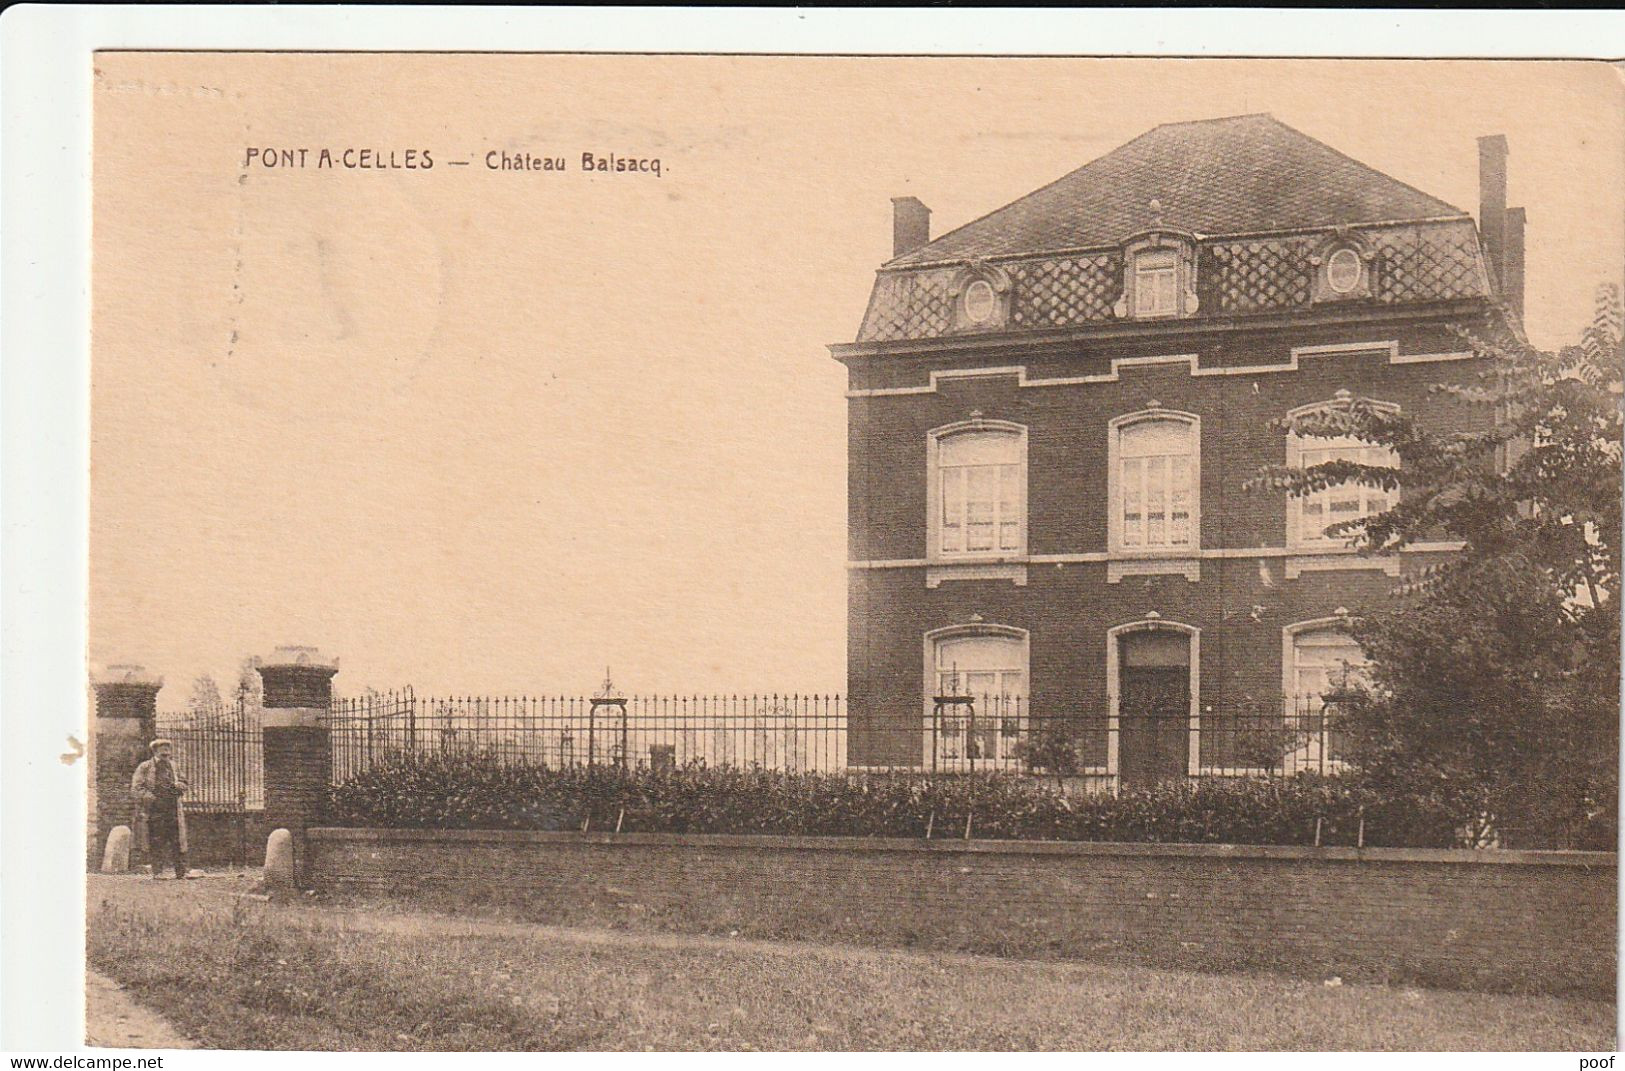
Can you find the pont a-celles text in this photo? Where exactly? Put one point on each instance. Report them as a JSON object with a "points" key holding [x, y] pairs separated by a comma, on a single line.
{"points": [[351, 158]]}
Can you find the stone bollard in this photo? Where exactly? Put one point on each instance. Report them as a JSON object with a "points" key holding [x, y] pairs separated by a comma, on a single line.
{"points": [[126, 721], [116, 855], [298, 754], [279, 873]]}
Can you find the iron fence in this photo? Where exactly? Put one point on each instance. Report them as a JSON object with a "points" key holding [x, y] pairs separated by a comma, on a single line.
{"points": [[220, 756], [1130, 742], [798, 733]]}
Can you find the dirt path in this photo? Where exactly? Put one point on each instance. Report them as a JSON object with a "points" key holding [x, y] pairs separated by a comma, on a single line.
{"points": [[115, 1021]]}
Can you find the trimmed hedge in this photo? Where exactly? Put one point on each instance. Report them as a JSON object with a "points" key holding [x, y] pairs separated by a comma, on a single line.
{"points": [[476, 791]]}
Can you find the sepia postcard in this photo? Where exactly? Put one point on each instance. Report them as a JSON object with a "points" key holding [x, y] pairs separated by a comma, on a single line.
{"points": [[841, 553]]}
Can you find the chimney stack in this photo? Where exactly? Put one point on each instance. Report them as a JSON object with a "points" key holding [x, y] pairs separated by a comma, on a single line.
{"points": [[910, 225], [1501, 227], [1492, 200], [1512, 274]]}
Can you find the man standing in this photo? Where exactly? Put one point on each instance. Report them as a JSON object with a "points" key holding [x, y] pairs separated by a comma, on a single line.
{"points": [[160, 815]]}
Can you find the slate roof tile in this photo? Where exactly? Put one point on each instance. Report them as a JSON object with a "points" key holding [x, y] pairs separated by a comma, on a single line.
{"points": [[1237, 175]]}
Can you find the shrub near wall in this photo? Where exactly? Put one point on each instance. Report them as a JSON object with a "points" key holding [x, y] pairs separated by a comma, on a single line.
{"points": [[475, 791]]}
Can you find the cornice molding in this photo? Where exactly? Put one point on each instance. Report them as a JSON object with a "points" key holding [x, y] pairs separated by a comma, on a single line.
{"points": [[1065, 339], [1387, 348]]}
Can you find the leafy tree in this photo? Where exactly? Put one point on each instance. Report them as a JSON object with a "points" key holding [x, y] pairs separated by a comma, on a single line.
{"points": [[1496, 675], [205, 703]]}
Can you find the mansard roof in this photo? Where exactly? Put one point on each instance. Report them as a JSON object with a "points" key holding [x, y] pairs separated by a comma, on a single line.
{"points": [[1243, 174], [1255, 207]]}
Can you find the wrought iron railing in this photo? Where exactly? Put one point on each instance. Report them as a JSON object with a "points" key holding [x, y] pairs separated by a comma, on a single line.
{"points": [[800, 733], [221, 757]]}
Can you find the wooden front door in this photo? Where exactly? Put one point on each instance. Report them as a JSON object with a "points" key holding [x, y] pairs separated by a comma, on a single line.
{"points": [[1154, 703]]}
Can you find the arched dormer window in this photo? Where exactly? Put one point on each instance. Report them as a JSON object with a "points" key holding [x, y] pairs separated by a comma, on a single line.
{"points": [[1155, 483], [1309, 516], [1159, 277], [977, 491]]}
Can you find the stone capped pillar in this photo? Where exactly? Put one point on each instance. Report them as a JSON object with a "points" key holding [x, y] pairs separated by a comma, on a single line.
{"points": [[126, 722], [298, 752]]}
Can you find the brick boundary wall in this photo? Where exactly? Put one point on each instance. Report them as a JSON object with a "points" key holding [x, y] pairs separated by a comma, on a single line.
{"points": [[1498, 920], [226, 838]]}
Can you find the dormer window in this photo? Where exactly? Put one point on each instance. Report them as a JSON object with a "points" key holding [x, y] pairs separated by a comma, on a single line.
{"points": [[981, 295], [1156, 277], [1343, 271], [1342, 267], [1159, 277], [979, 302]]}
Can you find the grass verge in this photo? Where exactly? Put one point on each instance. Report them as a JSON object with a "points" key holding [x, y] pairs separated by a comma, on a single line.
{"points": [[238, 974]]}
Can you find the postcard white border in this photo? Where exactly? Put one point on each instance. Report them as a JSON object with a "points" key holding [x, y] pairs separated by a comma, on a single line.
{"points": [[45, 85]]}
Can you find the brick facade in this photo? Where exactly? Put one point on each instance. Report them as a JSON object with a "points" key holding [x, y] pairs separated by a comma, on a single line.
{"points": [[1062, 379], [1520, 921], [1241, 601]]}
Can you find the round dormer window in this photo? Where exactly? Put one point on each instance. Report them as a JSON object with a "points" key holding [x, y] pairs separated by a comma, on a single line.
{"points": [[979, 301], [1343, 271]]}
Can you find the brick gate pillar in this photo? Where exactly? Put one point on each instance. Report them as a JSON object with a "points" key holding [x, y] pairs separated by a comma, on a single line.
{"points": [[298, 753], [126, 722]]}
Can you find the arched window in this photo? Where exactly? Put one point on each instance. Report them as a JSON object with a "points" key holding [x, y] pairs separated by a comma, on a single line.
{"points": [[1155, 483], [987, 664], [1320, 664], [978, 492], [981, 664], [1310, 515], [1324, 660], [1159, 276], [1156, 283]]}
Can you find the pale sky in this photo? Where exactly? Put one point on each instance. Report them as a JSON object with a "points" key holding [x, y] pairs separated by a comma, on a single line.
{"points": [[488, 432]]}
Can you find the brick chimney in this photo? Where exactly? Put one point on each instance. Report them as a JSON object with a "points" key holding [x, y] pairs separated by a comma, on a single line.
{"points": [[910, 225], [1492, 198], [1512, 273], [1502, 228]]}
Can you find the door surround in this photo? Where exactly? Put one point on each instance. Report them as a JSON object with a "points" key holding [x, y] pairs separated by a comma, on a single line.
{"points": [[1150, 623]]}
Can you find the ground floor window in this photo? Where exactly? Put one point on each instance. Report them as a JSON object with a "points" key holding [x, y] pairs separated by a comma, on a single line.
{"points": [[989, 669], [1324, 663]]}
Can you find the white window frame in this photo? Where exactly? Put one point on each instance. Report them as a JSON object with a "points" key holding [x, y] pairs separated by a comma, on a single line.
{"points": [[934, 495], [1346, 447], [1156, 275], [930, 680], [1307, 755], [1114, 495]]}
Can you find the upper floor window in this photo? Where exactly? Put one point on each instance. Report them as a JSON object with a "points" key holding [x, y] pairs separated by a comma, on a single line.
{"points": [[1156, 281], [979, 489], [1159, 276], [1155, 482], [1311, 515]]}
